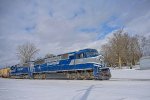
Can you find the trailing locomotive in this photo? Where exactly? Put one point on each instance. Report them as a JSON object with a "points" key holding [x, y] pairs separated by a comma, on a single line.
{"points": [[82, 64]]}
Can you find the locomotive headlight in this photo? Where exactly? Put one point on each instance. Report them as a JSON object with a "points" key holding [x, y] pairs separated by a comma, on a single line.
{"points": [[100, 66], [101, 57], [100, 60]]}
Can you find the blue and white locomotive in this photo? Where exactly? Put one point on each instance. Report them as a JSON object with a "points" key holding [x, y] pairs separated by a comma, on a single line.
{"points": [[82, 64]]}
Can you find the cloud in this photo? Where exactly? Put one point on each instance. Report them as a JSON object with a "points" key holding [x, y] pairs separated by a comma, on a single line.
{"points": [[57, 26]]}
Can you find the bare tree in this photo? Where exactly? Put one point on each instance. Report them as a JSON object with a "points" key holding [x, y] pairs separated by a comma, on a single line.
{"points": [[26, 52], [134, 50], [144, 45], [108, 54], [117, 45], [122, 49]]}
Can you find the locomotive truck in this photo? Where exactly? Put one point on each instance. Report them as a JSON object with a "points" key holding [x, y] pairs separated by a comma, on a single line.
{"points": [[82, 64]]}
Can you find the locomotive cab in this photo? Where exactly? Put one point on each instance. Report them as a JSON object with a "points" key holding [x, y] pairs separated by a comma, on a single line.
{"points": [[91, 57]]}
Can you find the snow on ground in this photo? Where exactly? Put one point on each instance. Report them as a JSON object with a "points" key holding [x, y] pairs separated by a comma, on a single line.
{"points": [[130, 74], [125, 84]]}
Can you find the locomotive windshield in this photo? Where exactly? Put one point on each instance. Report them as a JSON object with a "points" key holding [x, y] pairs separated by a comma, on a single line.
{"points": [[92, 54]]}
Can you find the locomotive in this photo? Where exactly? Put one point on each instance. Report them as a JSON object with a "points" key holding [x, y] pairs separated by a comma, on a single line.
{"points": [[82, 64]]}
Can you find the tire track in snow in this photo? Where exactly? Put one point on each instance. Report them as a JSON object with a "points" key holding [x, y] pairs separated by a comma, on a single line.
{"points": [[85, 94]]}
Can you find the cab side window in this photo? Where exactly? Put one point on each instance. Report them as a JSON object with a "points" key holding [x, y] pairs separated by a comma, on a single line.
{"points": [[79, 56]]}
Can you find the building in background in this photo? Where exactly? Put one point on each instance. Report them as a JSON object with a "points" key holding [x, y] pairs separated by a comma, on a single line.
{"points": [[145, 62]]}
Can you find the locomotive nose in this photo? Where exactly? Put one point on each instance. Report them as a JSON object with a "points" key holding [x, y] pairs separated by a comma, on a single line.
{"points": [[100, 58]]}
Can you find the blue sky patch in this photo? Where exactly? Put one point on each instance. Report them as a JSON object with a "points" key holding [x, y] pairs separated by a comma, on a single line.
{"points": [[105, 30], [108, 26]]}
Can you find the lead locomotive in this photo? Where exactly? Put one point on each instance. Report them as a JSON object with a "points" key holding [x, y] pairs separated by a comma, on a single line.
{"points": [[82, 64]]}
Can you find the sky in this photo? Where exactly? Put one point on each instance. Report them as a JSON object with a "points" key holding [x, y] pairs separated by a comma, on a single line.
{"points": [[59, 26]]}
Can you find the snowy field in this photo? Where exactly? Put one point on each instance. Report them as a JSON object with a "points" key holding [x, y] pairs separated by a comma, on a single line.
{"points": [[124, 85]]}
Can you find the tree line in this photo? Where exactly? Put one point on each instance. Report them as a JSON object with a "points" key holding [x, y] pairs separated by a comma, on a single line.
{"points": [[123, 49]]}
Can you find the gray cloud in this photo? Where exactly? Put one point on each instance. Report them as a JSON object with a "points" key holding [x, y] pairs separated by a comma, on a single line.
{"points": [[61, 26]]}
